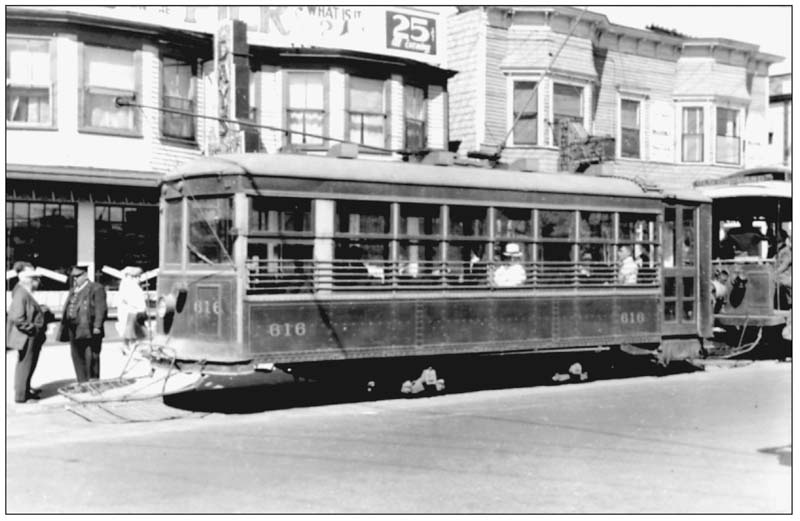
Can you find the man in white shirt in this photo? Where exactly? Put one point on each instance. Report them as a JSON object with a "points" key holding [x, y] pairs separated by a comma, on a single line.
{"points": [[512, 273]]}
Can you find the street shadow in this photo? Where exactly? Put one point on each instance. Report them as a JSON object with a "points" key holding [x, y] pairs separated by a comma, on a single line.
{"points": [[784, 454], [461, 375], [51, 388]]}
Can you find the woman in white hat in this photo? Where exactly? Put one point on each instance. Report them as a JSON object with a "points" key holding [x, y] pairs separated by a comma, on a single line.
{"points": [[512, 273], [131, 305]]}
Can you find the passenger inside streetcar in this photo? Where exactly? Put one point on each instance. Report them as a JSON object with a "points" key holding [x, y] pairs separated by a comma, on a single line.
{"points": [[511, 273], [628, 269]]}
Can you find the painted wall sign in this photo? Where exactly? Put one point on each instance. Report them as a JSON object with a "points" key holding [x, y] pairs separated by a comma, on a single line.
{"points": [[410, 32], [402, 31]]}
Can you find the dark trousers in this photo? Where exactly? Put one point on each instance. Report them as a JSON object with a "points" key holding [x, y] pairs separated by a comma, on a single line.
{"points": [[26, 364], [86, 357]]}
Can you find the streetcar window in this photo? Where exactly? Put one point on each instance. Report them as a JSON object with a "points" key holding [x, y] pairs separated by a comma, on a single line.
{"points": [[464, 252], [280, 260], [639, 230], [668, 243], [210, 240], [362, 217], [557, 236], [274, 214], [467, 221], [279, 267], [418, 247], [512, 222], [362, 243], [173, 216], [556, 224], [687, 244]]}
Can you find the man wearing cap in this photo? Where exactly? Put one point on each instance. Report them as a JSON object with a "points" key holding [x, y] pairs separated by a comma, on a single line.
{"points": [[82, 323], [25, 331], [512, 273]]}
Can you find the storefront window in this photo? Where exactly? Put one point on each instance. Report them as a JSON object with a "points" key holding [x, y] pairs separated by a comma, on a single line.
{"points": [[125, 236], [28, 83], [108, 74], [179, 93], [44, 234]]}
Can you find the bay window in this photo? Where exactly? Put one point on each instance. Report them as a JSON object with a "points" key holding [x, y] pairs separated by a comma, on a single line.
{"points": [[28, 81], [692, 135], [306, 107], [525, 113], [630, 128], [567, 107], [366, 114], [415, 111], [179, 92], [109, 73], [727, 136]]}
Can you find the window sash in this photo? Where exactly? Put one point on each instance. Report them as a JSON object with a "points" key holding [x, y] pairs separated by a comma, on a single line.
{"points": [[28, 62], [306, 91], [366, 95], [727, 124], [567, 102], [630, 143], [728, 150], [28, 105], [692, 148], [416, 137], [306, 120], [367, 128]]}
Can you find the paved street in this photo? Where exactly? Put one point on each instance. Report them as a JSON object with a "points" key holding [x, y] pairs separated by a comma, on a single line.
{"points": [[713, 441]]}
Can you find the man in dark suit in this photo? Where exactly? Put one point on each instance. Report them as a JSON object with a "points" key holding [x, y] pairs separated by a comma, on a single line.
{"points": [[82, 324], [25, 331]]}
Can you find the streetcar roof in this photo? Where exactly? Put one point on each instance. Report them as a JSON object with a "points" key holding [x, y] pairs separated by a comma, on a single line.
{"points": [[781, 189], [396, 172]]}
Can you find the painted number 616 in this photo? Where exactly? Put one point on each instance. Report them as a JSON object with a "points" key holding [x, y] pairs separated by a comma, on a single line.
{"points": [[207, 307], [287, 329], [631, 317]]}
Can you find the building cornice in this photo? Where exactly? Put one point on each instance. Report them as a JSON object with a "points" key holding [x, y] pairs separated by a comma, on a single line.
{"points": [[77, 174], [37, 17]]}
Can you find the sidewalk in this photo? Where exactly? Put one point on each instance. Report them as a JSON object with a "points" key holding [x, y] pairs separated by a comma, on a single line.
{"points": [[55, 370]]}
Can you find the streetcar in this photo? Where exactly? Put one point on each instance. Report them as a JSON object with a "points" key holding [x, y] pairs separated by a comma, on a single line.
{"points": [[751, 215], [310, 263]]}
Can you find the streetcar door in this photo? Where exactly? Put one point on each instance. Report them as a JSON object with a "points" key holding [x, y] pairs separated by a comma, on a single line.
{"points": [[680, 269]]}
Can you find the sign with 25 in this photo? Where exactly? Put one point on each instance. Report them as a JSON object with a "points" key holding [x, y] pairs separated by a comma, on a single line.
{"points": [[410, 33]]}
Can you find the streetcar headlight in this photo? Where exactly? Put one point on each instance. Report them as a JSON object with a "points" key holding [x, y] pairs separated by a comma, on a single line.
{"points": [[166, 306]]}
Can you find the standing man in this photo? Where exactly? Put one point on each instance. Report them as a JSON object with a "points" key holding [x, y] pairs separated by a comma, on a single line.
{"points": [[26, 331], [82, 324]]}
